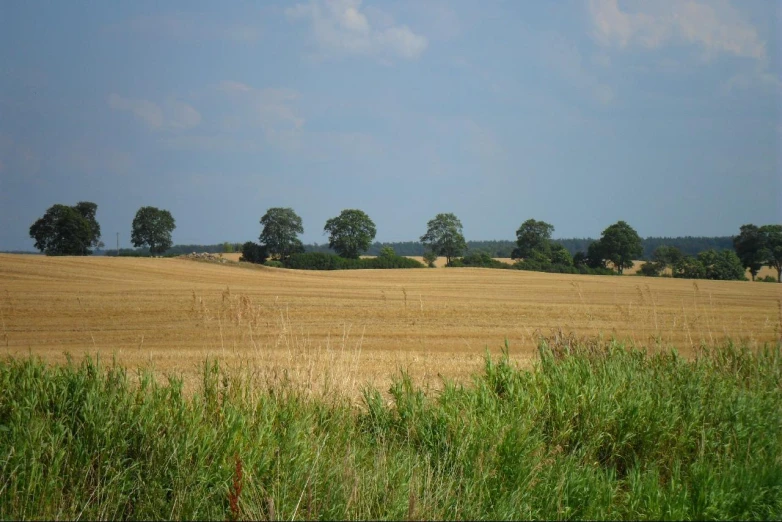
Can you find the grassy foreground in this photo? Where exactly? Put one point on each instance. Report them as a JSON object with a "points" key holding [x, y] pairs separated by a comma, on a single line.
{"points": [[593, 431]]}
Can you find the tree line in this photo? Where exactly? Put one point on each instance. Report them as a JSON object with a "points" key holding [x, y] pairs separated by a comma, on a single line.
{"points": [[74, 230], [689, 245]]}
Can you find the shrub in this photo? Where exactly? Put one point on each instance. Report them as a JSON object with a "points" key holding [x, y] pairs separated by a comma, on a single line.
{"points": [[253, 253], [323, 261], [767, 279], [392, 261], [711, 264], [274, 263], [534, 266], [387, 251], [650, 269], [478, 259]]}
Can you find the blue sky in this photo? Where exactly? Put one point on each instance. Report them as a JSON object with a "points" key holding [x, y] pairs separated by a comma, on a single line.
{"points": [[666, 114]]}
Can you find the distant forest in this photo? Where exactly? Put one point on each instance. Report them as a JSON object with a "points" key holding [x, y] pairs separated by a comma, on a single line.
{"points": [[689, 245]]}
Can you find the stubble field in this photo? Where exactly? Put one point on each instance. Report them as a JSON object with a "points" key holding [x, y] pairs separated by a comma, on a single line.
{"points": [[348, 328]]}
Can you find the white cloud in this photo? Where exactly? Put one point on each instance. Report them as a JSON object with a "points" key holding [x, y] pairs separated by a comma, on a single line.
{"points": [[182, 115], [342, 26], [716, 26], [759, 77], [144, 110], [271, 109], [173, 115]]}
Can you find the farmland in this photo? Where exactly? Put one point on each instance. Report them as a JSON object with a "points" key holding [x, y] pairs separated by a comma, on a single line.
{"points": [[284, 427], [350, 326]]}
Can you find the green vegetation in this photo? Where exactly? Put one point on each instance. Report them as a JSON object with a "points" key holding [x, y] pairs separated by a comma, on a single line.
{"points": [[760, 246], [152, 227], [350, 233], [281, 227], [576, 268], [749, 245], [478, 259], [723, 265], [254, 253], [533, 240], [595, 431], [619, 244], [322, 261], [430, 258], [772, 235], [444, 237], [67, 231]]}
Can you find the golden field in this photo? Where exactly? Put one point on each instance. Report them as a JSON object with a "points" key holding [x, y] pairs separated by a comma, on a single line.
{"points": [[347, 328]]}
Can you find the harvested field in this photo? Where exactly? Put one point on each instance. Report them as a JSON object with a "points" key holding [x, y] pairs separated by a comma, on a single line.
{"points": [[349, 327]]}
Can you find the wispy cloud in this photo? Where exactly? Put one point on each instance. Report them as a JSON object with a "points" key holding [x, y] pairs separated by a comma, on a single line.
{"points": [[172, 115], [271, 109], [715, 26], [342, 26], [186, 27], [565, 58], [252, 119], [245, 118]]}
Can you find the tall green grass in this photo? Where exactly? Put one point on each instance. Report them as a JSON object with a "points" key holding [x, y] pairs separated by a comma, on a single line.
{"points": [[592, 431]]}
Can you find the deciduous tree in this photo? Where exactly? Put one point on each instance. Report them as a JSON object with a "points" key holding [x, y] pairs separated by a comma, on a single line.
{"points": [[67, 231], [350, 233], [751, 249], [281, 227], [153, 227], [621, 244], [533, 236], [430, 257], [88, 209], [666, 256], [444, 236], [772, 241], [724, 265]]}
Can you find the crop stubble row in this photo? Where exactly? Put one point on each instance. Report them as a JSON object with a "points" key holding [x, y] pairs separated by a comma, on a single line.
{"points": [[348, 326]]}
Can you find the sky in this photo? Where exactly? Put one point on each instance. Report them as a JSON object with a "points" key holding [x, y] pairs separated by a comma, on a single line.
{"points": [[664, 114]]}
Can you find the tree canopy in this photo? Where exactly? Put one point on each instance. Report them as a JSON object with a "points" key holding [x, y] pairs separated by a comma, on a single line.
{"points": [[350, 233], [152, 227], [620, 244], [67, 231], [533, 237], [444, 236], [750, 248], [772, 247], [666, 256], [281, 227], [722, 265]]}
